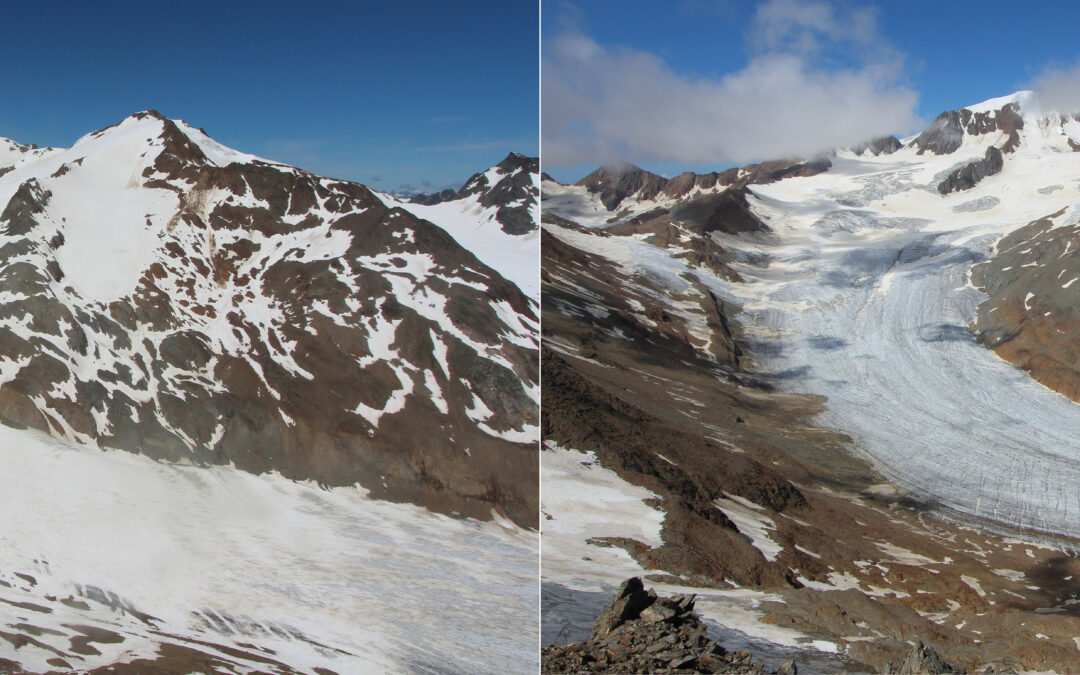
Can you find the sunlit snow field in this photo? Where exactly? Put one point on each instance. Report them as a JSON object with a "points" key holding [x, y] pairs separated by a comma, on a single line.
{"points": [[318, 577]]}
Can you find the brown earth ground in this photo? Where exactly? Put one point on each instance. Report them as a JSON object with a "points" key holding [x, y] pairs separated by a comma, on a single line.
{"points": [[628, 384]]}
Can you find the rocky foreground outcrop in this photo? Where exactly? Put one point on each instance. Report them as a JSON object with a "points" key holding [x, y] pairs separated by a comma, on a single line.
{"points": [[641, 632]]}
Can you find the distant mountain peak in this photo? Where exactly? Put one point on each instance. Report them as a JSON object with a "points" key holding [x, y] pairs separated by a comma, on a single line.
{"points": [[510, 187]]}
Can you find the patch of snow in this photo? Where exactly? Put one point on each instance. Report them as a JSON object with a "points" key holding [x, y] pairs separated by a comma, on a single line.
{"points": [[752, 523]]}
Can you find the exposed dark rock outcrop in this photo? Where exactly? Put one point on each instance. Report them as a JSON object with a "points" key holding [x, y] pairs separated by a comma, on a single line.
{"points": [[615, 184], [922, 660], [967, 176], [640, 632], [943, 136], [946, 133], [882, 145]]}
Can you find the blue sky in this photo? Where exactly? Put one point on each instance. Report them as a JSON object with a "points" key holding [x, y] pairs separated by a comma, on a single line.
{"points": [[914, 59], [416, 93]]}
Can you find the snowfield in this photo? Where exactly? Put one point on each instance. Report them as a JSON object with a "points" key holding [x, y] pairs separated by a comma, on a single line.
{"points": [[323, 578]]}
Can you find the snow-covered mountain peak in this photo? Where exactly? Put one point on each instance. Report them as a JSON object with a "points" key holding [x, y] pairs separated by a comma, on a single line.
{"points": [[1023, 99], [149, 133]]}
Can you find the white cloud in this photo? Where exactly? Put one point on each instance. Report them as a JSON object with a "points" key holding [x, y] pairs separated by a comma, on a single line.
{"points": [[1058, 90], [817, 81], [809, 27]]}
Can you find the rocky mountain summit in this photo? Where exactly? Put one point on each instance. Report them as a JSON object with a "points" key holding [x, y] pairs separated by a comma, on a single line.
{"points": [[163, 294], [510, 188]]}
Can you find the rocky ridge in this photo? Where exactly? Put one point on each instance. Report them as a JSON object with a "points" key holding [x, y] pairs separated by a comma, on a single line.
{"points": [[510, 187], [617, 184]]}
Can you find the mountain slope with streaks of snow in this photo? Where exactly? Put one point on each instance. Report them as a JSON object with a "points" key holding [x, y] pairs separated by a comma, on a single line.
{"points": [[163, 294]]}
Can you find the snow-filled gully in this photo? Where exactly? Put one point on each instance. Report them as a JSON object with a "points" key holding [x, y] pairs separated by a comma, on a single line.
{"points": [[871, 311]]}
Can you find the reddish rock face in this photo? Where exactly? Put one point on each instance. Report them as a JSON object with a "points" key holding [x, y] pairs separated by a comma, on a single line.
{"points": [[282, 322], [1030, 317]]}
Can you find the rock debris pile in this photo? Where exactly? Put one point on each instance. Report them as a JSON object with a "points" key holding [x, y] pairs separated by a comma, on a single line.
{"points": [[639, 632]]}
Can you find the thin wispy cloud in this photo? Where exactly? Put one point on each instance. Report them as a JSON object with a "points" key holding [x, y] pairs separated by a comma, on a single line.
{"points": [[297, 152], [810, 28], [818, 79]]}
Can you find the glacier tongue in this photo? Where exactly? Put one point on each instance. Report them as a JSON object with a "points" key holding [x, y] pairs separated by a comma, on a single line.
{"points": [[873, 305]]}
